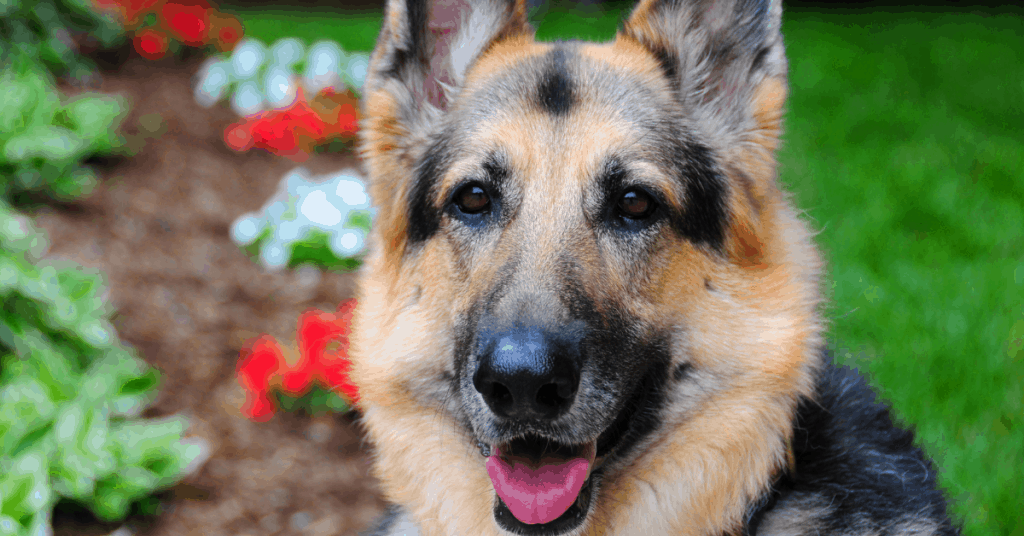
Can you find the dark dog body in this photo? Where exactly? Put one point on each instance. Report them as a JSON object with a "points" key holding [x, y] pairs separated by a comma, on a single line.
{"points": [[589, 309]]}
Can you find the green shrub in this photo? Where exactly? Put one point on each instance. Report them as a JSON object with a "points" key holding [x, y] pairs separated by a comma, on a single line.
{"points": [[43, 29], [43, 140], [69, 395]]}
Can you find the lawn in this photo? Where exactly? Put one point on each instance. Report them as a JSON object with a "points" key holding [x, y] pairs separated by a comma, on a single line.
{"points": [[904, 146]]}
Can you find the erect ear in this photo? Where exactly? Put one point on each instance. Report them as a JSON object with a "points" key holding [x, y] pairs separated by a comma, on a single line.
{"points": [[425, 49], [725, 59]]}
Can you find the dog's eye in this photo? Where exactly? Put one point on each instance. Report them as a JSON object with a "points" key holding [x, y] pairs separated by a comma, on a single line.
{"points": [[472, 199], [636, 204]]}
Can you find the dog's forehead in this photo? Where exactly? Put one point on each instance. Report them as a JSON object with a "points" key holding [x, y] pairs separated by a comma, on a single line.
{"points": [[562, 80], [562, 105]]}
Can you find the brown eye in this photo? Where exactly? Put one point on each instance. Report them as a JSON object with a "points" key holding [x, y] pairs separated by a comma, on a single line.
{"points": [[472, 199], [636, 204]]}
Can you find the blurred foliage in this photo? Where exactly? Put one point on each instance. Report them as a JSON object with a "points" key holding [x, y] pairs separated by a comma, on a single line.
{"points": [[317, 401], [69, 395], [44, 139], [45, 30]]}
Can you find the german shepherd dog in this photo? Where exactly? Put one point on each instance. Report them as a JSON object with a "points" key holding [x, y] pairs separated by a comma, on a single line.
{"points": [[588, 307]]}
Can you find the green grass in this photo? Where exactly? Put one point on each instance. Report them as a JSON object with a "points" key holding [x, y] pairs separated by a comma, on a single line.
{"points": [[904, 145]]}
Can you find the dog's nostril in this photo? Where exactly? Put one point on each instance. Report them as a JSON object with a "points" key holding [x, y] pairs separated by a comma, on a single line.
{"points": [[549, 397], [500, 394]]}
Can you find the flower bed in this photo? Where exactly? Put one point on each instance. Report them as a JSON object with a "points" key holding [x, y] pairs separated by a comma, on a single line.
{"points": [[69, 405]]}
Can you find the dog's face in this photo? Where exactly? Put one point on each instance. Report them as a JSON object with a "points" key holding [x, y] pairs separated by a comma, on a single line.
{"points": [[585, 288]]}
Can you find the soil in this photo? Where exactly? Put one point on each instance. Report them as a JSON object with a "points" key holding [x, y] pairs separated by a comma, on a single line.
{"points": [[187, 299]]}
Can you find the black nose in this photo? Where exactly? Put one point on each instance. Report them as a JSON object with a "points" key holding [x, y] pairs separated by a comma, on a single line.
{"points": [[528, 373]]}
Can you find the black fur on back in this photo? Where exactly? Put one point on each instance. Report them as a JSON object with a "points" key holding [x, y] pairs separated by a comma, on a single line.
{"points": [[863, 471]]}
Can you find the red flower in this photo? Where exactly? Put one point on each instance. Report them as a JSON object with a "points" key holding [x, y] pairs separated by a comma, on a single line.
{"points": [[323, 340], [323, 359], [348, 120], [132, 11], [151, 44], [260, 360], [273, 134], [225, 30], [291, 132], [187, 20], [239, 136], [338, 110]]}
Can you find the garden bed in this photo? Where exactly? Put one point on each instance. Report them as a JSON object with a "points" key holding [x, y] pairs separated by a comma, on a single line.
{"points": [[187, 298]]}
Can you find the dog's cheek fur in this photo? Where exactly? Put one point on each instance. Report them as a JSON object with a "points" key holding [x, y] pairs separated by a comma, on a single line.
{"points": [[404, 373], [747, 338]]}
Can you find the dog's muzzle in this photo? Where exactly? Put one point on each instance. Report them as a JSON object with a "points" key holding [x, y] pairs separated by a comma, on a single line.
{"points": [[530, 376]]}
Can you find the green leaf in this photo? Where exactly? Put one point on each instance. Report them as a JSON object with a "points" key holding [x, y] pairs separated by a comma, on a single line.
{"points": [[95, 115], [24, 406], [44, 361], [25, 488], [17, 99], [9, 6], [137, 442], [115, 493], [93, 441], [44, 141], [128, 384], [73, 474], [69, 423], [78, 181], [8, 525], [39, 440]]}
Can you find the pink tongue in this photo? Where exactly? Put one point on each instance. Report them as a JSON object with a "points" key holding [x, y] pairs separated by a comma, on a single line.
{"points": [[537, 495]]}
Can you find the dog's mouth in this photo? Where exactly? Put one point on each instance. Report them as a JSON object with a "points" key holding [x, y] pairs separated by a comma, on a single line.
{"points": [[543, 487]]}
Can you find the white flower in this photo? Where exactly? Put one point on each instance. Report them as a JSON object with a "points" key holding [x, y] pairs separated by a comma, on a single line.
{"points": [[301, 204], [291, 230], [214, 77], [319, 210], [356, 69], [274, 255], [247, 228], [346, 244], [295, 179], [323, 67], [248, 99], [281, 88], [351, 191], [247, 58]]}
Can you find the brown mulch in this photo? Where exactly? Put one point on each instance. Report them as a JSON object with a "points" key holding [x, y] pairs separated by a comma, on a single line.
{"points": [[187, 299]]}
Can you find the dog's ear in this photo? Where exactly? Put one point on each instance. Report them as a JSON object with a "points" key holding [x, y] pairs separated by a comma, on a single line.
{"points": [[724, 58], [425, 49]]}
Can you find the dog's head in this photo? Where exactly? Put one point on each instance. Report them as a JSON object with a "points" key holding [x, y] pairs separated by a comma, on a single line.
{"points": [[587, 304]]}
